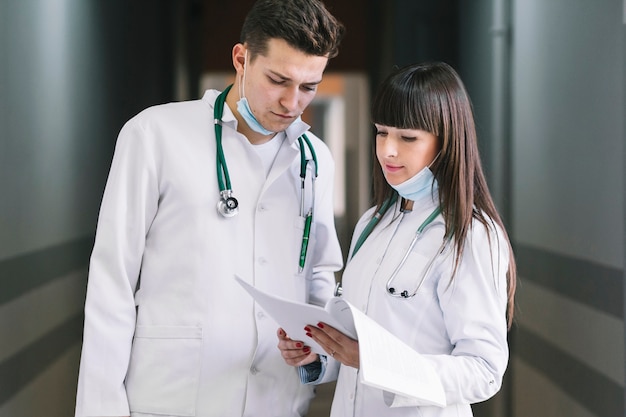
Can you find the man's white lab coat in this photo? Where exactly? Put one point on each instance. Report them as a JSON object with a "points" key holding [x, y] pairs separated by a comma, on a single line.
{"points": [[168, 331]]}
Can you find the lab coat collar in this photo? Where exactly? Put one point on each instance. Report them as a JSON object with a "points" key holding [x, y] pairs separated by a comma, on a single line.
{"points": [[293, 132], [296, 129], [228, 118]]}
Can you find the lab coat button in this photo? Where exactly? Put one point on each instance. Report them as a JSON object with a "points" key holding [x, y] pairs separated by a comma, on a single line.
{"points": [[262, 261], [261, 208], [254, 371], [260, 315]]}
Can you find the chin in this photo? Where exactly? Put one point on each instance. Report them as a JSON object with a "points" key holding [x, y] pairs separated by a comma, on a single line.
{"points": [[393, 181]]}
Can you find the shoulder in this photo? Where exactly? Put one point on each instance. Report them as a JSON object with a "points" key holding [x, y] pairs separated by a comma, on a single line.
{"points": [[364, 220], [175, 119], [164, 125], [169, 113], [488, 229], [488, 236]]}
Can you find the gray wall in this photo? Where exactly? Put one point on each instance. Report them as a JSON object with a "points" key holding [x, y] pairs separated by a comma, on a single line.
{"points": [[558, 174], [72, 72], [568, 216]]}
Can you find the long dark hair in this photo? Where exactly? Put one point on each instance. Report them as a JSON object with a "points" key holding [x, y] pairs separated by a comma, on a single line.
{"points": [[432, 97]]}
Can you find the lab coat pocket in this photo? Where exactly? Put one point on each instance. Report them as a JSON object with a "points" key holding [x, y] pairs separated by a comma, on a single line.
{"points": [[164, 370]]}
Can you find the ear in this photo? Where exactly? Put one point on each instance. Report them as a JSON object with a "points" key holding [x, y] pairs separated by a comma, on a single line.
{"points": [[239, 57]]}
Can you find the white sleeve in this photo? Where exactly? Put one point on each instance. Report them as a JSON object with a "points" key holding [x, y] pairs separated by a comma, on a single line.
{"points": [[128, 207], [474, 310]]}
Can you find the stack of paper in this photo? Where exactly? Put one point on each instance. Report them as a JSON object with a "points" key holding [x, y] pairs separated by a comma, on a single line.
{"points": [[386, 362]]}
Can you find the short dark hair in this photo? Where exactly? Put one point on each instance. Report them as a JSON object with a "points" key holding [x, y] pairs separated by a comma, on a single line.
{"points": [[305, 25]]}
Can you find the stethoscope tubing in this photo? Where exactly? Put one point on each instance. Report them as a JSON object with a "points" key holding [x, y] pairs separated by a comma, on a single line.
{"points": [[223, 178], [418, 234], [367, 230], [228, 205]]}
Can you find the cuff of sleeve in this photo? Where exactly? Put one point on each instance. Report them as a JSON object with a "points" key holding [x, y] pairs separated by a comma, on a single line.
{"points": [[313, 372]]}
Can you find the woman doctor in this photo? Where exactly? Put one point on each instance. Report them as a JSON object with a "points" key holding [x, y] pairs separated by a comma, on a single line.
{"points": [[449, 292]]}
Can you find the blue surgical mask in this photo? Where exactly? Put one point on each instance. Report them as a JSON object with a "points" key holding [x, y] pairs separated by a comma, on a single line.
{"points": [[244, 110], [243, 107], [417, 186]]}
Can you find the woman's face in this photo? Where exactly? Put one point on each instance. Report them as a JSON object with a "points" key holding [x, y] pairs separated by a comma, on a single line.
{"points": [[402, 153]]}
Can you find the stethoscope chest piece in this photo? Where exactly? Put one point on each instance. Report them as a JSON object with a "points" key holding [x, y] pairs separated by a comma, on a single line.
{"points": [[227, 206]]}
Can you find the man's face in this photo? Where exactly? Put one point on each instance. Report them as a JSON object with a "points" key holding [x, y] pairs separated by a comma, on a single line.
{"points": [[281, 84]]}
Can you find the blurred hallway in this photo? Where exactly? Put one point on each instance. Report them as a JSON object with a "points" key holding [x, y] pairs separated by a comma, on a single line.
{"points": [[547, 80]]}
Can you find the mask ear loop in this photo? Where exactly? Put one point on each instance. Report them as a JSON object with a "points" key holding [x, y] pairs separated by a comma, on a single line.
{"points": [[242, 80], [434, 159]]}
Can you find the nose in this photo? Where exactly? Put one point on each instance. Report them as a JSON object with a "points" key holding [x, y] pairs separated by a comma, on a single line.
{"points": [[289, 99], [387, 147]]}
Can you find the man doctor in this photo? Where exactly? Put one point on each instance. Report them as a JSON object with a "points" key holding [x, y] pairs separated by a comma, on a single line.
{"points": [[168, 331]]}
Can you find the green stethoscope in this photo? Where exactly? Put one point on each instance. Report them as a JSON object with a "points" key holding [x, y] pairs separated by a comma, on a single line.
{"points": [[391, 290], [228, 206]]}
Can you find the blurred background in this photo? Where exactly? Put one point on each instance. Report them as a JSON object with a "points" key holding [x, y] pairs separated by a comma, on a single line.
{"points": [[547, 81]]}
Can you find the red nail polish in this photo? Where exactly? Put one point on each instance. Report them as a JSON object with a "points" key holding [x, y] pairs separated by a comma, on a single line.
{"points": [[309, 334], [320, 325], [307, 329], [306, 349], [298, 345]]}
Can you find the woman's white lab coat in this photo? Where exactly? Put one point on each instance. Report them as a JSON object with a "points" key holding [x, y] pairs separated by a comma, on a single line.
{"points": [[190, 341], [459, 327]]}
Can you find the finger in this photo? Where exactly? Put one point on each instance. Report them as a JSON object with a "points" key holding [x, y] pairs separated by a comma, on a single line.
{"points": [[321, 337], [282, 335], [326, 334], [294, 352], [333, 333], [336, 344], [311, 357], [286, 343], [299, 357]]}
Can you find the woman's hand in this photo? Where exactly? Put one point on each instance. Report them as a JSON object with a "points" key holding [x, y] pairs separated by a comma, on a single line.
{"points": [[294, 352], [336, 344]]}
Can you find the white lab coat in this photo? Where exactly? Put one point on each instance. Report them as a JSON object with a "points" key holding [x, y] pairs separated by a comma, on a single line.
{"points": [[190, 341], [460, 327]]}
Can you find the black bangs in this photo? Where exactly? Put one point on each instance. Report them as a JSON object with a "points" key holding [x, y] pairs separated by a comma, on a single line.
{"points": [[408, 102]]}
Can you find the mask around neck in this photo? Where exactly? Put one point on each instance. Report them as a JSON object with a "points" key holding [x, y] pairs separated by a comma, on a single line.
{"points": [[243, 107], [244, 110], [417, 186]]}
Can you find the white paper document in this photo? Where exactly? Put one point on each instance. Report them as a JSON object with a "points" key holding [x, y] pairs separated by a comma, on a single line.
{"points": [[386, 362]]}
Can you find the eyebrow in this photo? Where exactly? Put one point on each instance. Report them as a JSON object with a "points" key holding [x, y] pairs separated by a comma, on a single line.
{"points": [[285, 78]]}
